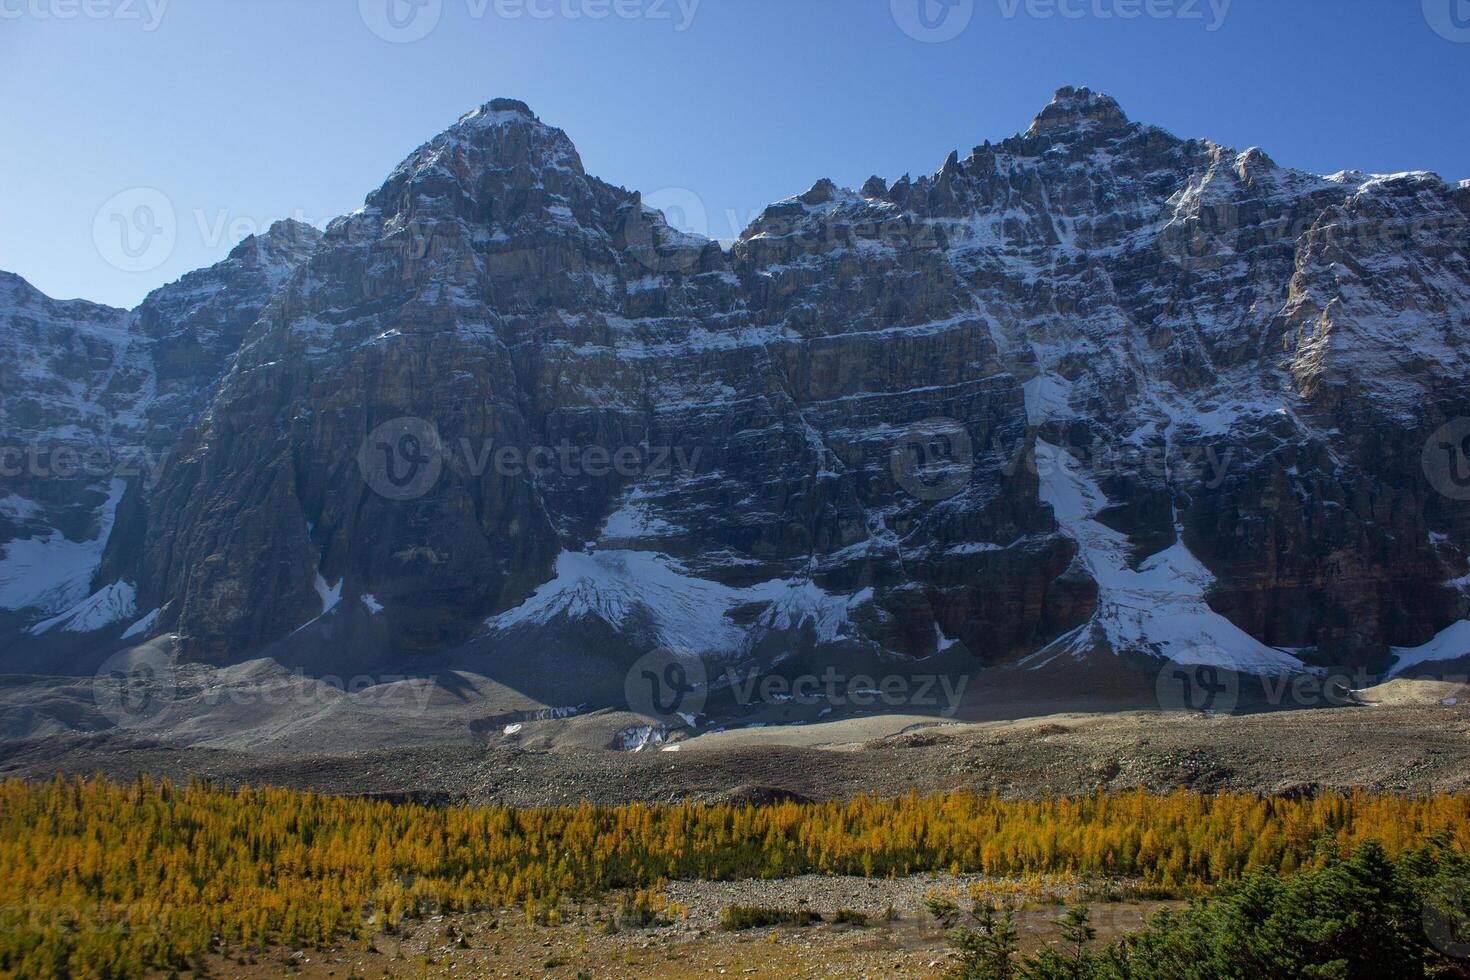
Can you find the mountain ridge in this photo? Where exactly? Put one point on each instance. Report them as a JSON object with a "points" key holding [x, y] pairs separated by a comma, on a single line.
{"points": [[1093, 289]]}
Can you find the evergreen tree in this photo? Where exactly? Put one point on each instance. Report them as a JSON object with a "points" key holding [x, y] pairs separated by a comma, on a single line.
{"points": [[1077, 936], [987, 951]]}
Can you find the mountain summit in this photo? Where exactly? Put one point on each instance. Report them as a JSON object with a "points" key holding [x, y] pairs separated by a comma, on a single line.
{"points": [[1088, 395], [1074, 108]]}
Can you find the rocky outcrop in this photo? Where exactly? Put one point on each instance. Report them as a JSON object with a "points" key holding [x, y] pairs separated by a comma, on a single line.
{"points": [[1092, 389], [493, 289], [1203, 346], [195, 326], [92, 401], [74, 385]]}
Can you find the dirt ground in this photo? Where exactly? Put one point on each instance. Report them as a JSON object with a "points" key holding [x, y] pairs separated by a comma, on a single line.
{"points": [[1408, 737], [691, 944], [1394, 747]]}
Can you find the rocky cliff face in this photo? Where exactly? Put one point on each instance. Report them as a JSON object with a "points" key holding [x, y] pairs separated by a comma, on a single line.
{"points": [[1246, 361], [74, 384], [195, 326], [92, 401], [1091, 390], [726, 423]]}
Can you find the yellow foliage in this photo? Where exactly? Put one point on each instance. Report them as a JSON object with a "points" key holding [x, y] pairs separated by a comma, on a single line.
{"points": [[102, 879]]}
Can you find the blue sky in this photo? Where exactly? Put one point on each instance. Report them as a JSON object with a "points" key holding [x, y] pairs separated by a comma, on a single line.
{"points": [[228, 114]]}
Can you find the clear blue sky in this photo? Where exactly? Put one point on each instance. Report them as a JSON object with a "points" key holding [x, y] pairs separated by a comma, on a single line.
{"points": [[242, 111]]}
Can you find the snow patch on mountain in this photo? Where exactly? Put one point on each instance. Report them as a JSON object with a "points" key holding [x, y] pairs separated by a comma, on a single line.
{"points": [[113, 604], [611, 585], [688, 613], [18, 508], [1046, 397], [331, 595], [1158, 608], [634, 519], [143, 626], [53, 573], [1452, 643]]}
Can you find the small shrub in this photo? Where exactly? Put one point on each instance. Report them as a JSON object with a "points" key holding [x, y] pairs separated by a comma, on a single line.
{"points": [[738, 917], [850, 917], [944, 910], [642, 910]]}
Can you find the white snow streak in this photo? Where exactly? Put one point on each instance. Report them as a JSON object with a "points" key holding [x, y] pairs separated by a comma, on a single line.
{"points": [[113, 604], [1158, 608], [1451, 644], [52, 573], [689, 613]]}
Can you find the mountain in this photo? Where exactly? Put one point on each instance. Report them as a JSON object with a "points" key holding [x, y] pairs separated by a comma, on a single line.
{"points": [[72, 377], [1093, 390], [195, 326], [93, 400]]}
